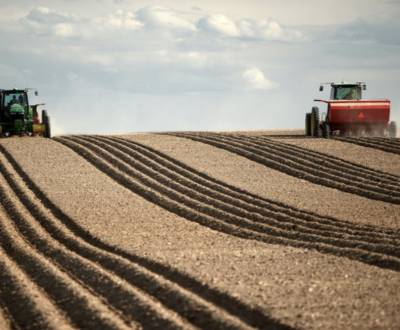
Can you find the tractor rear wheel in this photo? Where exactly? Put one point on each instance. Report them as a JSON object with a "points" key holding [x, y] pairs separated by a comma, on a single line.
{"points": [[392, 129], [308, 124], [315, 128], [46, 123]]}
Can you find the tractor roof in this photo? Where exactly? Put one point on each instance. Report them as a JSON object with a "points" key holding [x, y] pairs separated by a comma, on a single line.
{"points": [[343, 83], [16, 90]]}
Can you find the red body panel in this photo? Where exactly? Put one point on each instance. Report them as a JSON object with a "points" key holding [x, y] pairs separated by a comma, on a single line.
{"points": [[359, 112], [343, 114]]}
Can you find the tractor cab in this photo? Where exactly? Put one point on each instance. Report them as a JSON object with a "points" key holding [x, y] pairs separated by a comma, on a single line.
{"points": [[14, 105], [18, 117], [345, 91]]}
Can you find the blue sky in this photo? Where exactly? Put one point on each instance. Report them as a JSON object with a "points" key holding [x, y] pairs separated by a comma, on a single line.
{"points": [[130, 66]]}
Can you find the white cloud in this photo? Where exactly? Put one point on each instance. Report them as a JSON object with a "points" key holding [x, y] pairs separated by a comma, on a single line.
{"points": [[42, 20], [121, 20], [256, 79], [219, 24], [266, 29], [162, 17], [64, 30], [45, 21]]}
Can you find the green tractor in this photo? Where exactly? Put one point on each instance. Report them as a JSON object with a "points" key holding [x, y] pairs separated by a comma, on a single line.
{"points": [[18, 117]]}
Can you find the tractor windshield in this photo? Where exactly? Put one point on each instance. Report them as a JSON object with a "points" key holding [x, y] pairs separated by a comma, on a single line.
{"points": [[347, 93], [15, 97]]}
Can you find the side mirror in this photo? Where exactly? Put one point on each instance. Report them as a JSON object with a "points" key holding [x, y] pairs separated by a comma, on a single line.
{"points": [[36, 93], [321, 88], [364, 87]]}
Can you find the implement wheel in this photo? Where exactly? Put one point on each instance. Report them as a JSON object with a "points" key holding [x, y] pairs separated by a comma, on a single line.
{"points": [[392, 129], [46, 123], [326, 130]]}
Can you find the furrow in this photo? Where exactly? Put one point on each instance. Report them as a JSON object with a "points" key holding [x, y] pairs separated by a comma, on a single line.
{"points": [[225, 203], [165, 198], [278, 210], [286, 136], [381, 141], [392, 149], [195, 309], [122, 299], [291, 168], [302, 162], [390, 141], [65, 292], [25, 305], [335, 162], [129, 302]]}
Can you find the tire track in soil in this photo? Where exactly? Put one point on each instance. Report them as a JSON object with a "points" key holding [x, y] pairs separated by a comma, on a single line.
{"points": [[65, 294], [165, 193], [395, 141], [199, 304], [382, 140], [369, 179], [276, 208], [288, 163], [385, 144], [20, 299], [191, 187], [128, 303], [331, 162]]}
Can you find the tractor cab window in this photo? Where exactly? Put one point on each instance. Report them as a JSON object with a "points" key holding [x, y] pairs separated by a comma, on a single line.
{"points": [[16, 97], [347, 93]]}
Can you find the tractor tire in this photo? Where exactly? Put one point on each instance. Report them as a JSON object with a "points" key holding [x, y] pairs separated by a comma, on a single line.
{"points": [[326, 130], [308, 124], [46, 123], [315, 127], [392, 129]]}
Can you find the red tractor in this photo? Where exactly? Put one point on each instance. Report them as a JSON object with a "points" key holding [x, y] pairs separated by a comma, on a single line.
{"points": [[348, 115]]}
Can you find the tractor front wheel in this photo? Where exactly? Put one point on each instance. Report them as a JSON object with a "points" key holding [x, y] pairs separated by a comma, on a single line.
{"points": [[315, 128]]}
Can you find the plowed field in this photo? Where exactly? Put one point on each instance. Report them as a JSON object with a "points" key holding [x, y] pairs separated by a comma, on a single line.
{"points": [[199, 230]]}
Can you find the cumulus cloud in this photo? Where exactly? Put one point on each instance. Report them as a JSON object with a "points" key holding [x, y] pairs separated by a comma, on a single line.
{"points": [[143, 52], [272, 30], [267, 29], [42, 20], [121, 20], [162, 17], [220, 24], [255, 79]]}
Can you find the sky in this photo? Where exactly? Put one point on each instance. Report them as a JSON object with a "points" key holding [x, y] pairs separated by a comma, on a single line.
{"points": [[120, 66]]}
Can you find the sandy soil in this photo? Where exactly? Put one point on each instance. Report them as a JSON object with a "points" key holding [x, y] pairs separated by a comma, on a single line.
{"points": [[4, 321], [299, 287], [272, 184]]}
